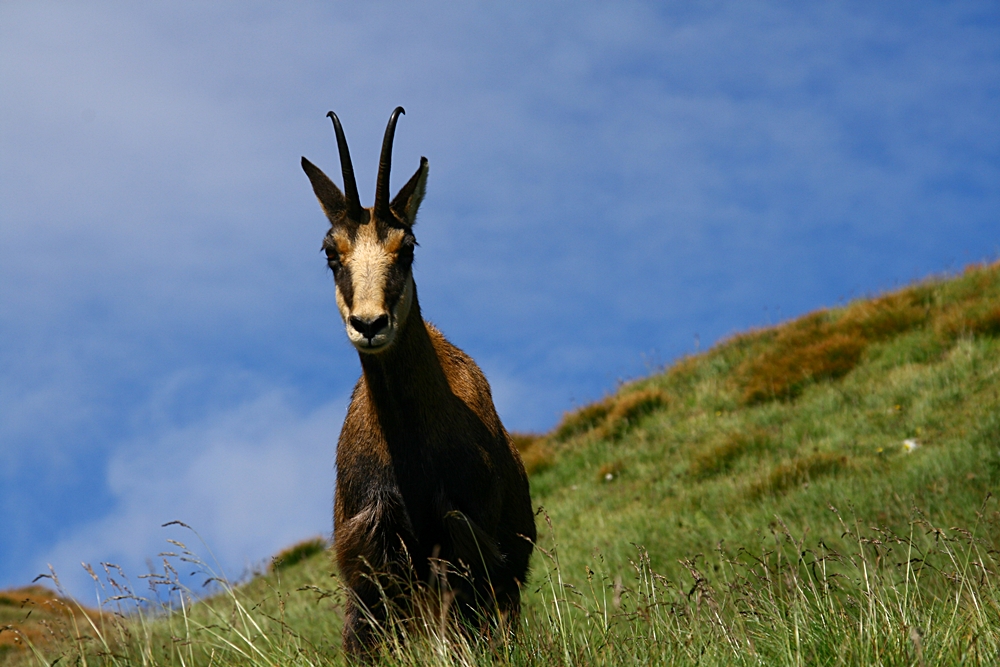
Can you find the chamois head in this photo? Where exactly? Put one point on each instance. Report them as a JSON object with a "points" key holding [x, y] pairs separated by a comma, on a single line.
{"points": [[370, 250]]}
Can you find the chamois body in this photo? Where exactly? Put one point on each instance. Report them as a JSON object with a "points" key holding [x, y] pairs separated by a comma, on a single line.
{"points": [[425, 470]]}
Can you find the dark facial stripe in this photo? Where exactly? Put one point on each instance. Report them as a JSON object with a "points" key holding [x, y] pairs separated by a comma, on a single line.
{"points": [[345, 284], [398, 273]]}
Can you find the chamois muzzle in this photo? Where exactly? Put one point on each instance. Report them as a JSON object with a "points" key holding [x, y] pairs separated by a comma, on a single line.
{"points": [[369, 328]]}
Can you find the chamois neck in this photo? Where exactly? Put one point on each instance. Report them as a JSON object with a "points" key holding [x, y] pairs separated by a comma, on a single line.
{"points": [[408, 374]]}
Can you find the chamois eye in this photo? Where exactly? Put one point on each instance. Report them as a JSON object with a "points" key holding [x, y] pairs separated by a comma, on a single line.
{"points": [[405, 255], [332, 259]]}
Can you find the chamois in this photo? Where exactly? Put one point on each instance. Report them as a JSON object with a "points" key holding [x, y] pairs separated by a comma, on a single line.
{"points": [[426, 472]]}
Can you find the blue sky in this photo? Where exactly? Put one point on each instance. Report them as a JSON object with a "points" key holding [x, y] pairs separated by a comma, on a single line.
{"points": [[607, 183]]}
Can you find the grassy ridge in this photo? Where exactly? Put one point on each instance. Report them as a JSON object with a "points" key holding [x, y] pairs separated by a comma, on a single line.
{"points": [[813, 493], [787, 421]]}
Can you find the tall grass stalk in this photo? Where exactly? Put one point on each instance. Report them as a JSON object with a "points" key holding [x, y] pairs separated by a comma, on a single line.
{"points": [[927, 597]]}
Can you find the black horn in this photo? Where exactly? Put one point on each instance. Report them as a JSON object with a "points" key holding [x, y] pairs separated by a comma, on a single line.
{"points": [[384, 166], [347, 168]]}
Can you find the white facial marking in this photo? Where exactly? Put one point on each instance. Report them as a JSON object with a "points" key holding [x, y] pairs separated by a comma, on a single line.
{"points": [[369, 262]]}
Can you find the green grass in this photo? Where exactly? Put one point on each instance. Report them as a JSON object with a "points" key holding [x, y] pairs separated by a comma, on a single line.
{"points": [[754, 504]]}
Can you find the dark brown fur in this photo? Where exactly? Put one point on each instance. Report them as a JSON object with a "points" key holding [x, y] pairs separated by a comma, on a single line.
{"points": [[425, 468]]}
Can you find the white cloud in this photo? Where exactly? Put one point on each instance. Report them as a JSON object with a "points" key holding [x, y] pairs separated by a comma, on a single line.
{"points": [[251, 481]]}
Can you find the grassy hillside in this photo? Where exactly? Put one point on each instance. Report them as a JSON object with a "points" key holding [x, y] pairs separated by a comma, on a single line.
{"points": [[784, 422], [814, 493], [34, 615]]}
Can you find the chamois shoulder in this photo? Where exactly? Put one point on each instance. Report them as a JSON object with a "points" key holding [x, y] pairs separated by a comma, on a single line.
{"points": [[466, 379]]}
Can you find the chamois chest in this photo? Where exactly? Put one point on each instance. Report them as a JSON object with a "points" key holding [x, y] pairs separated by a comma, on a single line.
{"points": [[428, 444]]}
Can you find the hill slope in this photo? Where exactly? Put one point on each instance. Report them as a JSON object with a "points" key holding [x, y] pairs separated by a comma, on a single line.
{"points": [[881, 406], [795, 494]]}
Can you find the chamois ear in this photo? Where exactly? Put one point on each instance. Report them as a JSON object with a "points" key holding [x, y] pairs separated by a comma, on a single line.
{"points": [[407, 201], [329, 195]]}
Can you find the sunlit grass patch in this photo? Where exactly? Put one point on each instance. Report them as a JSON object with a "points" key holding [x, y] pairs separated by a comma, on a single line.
{"points": [[584, 419], [971, 319], [298, 553], [614, 416], [826, 345], [535, 450], [797, 471], [718, 458], [629, 409]]}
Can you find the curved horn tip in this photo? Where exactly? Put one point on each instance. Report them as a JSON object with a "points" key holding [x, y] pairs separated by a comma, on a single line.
{"points": [[346, 168], [384, 166]]}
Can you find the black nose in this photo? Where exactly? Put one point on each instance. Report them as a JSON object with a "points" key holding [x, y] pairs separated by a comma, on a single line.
{"points": [[369, 328]]}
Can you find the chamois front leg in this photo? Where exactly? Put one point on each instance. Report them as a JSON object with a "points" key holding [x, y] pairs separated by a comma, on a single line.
{"points": [[375, 563], [483, 590], [359, 637]]}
